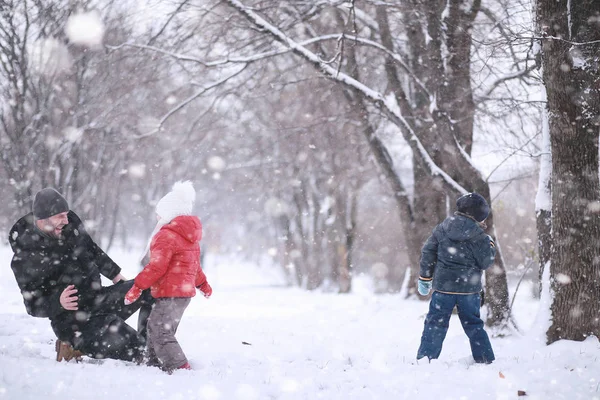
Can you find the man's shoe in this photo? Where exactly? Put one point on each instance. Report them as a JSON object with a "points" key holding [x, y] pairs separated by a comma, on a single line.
{"points": [[64, 351]]}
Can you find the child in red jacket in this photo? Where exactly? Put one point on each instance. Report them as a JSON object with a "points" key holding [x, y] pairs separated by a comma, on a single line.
{"points": [[173, 274]]}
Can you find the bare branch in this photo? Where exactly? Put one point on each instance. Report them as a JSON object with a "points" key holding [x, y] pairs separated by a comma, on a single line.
{"points": [[184, 103], [162, 29], [386, 105], [506, 78], [260, 56]]}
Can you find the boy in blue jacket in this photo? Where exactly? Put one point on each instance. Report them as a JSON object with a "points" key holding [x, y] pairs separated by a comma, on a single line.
{"points": [[452, 261]]}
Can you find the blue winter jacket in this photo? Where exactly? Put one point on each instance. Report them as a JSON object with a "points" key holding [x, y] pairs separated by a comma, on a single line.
{"points": [[455, 255]]}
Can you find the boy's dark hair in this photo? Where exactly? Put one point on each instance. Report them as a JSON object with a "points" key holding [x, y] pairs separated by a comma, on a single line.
{"points": [[474, 205]]}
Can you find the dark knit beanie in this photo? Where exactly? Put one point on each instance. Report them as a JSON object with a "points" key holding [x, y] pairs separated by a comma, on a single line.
{"points": [[49, 202], [474, 205]]}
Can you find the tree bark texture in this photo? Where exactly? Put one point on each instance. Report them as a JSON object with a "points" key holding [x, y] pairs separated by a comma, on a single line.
{"points": [[572, 79]]}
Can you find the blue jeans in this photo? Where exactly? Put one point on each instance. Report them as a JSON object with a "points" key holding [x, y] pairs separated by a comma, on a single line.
{"points": [[437, 323]]}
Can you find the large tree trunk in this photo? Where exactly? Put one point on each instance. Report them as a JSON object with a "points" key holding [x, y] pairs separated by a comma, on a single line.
{"points": [[346, 246], [543, 203], [496, 284], [429, 209], [429, 193], [453, 126], [358, 105], [572, 80]]}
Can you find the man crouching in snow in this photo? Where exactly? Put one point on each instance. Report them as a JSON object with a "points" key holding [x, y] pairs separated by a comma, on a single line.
{"points": [[454, 258], [57, 266]]}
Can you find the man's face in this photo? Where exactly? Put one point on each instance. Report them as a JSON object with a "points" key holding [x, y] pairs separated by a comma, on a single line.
{"points": [[53, 225]]}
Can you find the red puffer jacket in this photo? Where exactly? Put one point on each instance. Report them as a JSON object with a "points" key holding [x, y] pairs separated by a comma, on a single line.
{"points": [[174, 269]]}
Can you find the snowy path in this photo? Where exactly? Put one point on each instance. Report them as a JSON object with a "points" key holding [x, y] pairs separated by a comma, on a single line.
{"points": [[303, 346]]}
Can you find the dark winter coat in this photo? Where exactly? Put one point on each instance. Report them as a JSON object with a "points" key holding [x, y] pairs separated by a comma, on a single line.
{"points": [[455, 255], [174, 269], [44, 266]]}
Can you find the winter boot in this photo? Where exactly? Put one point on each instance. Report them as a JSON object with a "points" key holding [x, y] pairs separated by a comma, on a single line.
{"points": [[186, 366], [171, 370], [64, 351]]}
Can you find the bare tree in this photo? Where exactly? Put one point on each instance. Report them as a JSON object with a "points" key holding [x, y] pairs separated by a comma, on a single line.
{"points": [[230, 107], [67, 109], [439, 147]]}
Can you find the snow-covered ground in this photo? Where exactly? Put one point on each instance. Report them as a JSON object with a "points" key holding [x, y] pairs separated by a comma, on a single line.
{"points": [[302, 346]]}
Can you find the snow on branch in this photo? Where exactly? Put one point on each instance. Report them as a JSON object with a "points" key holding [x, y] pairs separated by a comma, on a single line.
{"points": [[396, 57], [177, 56], [366, 19], [386, 106], [272, 53], [224, 61], [566, 41]]}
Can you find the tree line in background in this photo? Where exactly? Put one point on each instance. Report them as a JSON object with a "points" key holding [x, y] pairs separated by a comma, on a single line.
{"points": [[330, 136]]}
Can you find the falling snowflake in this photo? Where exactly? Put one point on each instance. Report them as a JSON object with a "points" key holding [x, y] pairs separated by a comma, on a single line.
{"points": [[563, 279], [72, 133], [137, 170], [86, 29], [216, 163]]}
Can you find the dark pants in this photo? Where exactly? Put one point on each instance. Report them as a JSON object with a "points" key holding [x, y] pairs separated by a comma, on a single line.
{"points": [[437, 323], [99, 329], [163, 348]]}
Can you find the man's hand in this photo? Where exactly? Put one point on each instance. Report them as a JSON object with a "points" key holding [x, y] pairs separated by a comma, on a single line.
{"points": [[118, 278], [132, 295], [68, 299], [424, 287], [205, 289]]}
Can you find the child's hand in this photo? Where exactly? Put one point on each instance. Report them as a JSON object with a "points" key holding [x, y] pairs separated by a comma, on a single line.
{"points": [[205, 289], [424, 287], [132, 295]]}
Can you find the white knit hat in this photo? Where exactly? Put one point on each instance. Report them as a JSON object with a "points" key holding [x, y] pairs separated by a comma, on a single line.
{"points": [[179, 201]]}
